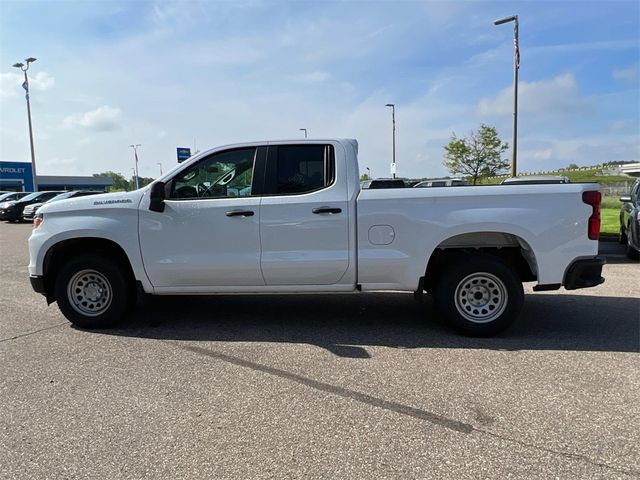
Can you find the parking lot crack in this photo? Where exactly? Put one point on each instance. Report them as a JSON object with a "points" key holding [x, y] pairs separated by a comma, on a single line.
{"points": [[27, 334], [574, 456]]}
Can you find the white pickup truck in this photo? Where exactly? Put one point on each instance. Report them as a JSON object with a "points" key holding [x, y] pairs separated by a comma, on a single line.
{"points": [[290, 217]]}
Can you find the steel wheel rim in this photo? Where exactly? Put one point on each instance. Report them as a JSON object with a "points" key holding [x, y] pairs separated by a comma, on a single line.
{"points": [[89, 293], [481, 297]]}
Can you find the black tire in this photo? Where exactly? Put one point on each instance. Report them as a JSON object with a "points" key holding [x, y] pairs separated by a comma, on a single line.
{"points": [[632, 253], [92, 274], [474, 276]]}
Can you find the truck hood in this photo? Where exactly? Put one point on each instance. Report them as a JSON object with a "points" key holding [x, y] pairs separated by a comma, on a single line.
{"points": [[95, 202]]}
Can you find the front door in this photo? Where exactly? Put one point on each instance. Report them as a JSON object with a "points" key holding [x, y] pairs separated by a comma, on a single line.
{"points": [[208, 234]]}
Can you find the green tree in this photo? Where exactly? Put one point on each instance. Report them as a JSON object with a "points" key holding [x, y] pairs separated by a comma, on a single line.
{"points": [[119, 182], [364, 177], [572, 166], [478, 155]]}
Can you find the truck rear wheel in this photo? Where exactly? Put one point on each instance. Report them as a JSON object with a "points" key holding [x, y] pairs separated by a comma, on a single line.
{"points": [[480, 295], [93, 292]]}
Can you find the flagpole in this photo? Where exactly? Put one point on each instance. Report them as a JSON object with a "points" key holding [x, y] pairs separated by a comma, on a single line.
{"points": [[516, 67]]}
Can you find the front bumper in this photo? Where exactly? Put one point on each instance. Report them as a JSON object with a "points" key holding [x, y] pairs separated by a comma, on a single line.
{"points": [[7, 215], [584, 273]]}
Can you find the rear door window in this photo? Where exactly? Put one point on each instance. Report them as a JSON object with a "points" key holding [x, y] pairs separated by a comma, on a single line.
{"points": [[298, 169]]}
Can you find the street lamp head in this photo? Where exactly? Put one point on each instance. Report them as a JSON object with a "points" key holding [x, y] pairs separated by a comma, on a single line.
{"points": [[390, 105], [513, 18], [18, 65], [30, 60]]}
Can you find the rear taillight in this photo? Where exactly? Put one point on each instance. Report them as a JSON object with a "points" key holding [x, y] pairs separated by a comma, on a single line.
{"points": [[593, 198]]}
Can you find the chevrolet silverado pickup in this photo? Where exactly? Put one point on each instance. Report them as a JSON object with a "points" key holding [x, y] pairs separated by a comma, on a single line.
{"points": [[290, 217]]}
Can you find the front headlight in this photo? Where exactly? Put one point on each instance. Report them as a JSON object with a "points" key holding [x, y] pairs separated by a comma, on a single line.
{"points": [[37, 220]]}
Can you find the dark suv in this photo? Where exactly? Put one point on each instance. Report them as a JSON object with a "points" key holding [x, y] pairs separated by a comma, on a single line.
{"points": [[29, 211], [387, 183], [630, 221], [12, 211]]}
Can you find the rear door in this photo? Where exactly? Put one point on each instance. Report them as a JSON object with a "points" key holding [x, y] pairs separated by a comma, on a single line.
{"points": [[304, 216]]}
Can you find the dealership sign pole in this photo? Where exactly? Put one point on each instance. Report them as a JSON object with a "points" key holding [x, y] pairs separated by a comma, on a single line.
{"points": [[25, 85], [393, 123]]}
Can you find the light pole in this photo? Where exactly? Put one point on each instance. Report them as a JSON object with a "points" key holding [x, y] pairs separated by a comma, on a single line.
{"points": [[160, 164], [135, 154], [516, 66], [303, 130], [369, 173], [25, 85], [393, 121]]}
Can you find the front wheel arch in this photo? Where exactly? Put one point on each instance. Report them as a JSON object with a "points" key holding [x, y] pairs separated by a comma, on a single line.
{"points": [[61, 252]]}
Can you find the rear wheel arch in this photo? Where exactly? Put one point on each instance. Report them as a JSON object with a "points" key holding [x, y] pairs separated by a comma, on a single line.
{"points": [[509, 248]]}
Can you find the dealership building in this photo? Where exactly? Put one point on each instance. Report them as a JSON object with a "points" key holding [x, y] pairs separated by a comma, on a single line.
{"points": [[18, 176]]}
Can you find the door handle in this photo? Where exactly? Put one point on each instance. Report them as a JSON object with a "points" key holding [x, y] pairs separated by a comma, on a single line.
{"points": [[327, 210], [240, 213]]}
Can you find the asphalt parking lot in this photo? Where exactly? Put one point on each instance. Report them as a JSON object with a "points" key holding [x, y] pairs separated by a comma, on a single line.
{"points": [[368, 386]]}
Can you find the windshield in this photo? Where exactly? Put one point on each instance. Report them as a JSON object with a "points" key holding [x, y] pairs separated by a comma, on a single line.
{"points": [[36, 195], [31, 196], [6, 196]]}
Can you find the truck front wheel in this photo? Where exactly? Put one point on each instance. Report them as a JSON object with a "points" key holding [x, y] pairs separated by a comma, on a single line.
{"points": [[93, 292], [480, 295]]}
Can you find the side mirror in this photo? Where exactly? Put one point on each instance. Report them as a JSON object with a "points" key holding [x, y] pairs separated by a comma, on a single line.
{"points": [[156, 203], [625, 198]]}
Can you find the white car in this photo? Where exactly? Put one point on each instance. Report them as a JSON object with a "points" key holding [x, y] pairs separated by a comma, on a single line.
{"points": [[289, 216]]}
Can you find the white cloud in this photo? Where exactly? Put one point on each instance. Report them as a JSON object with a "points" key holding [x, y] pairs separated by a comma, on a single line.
{"points": [[104, 118], [629, 74], [11, 83], [558, 95], [313, 77]]}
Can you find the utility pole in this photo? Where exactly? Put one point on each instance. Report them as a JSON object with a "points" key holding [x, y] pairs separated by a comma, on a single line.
{"points": [[160, 164], [393, 122], [303, 130], [135, 154], [516, 67], [25, 85]]}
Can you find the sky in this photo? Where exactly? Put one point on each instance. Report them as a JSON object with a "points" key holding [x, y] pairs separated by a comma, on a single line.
{"points": [[173, 74]]}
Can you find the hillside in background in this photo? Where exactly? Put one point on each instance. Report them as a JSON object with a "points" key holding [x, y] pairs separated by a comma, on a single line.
{"points": [[594, 174]]}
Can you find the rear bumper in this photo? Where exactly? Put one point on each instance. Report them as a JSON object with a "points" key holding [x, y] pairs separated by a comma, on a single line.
{"points": [[584, 273], [37, 283]]}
